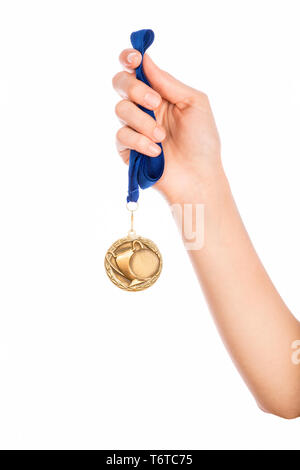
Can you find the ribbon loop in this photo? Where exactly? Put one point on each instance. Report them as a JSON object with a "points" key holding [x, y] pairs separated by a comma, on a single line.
{"points": [[143, 171]]}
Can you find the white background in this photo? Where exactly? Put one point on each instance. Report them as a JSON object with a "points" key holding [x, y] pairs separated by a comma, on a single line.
{"points": [[83, 364]]}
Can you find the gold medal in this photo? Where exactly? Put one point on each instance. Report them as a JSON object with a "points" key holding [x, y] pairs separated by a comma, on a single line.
{"points": [[133, 263]]}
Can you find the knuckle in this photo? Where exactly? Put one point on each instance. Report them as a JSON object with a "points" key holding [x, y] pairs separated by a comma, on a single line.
{"points": [[120, 107], [135, 90], [121, 55], [117, 78], [203, 97], [120, 135], [124, 154]]}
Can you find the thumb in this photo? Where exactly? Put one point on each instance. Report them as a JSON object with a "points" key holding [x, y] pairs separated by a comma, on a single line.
{"points": [[167, 86]]}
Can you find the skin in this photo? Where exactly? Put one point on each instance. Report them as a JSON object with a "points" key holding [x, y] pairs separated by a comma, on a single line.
{"points": [[255, 324]]}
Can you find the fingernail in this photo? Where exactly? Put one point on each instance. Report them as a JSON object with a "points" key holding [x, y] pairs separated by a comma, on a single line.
{"points": [[152, 100], [154, 149], [132, 56], [159, 134]]}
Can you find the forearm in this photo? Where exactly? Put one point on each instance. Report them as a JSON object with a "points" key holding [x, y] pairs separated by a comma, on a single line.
{"points": [[256, 326]]}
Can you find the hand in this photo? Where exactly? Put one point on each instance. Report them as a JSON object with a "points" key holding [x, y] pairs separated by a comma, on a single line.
{"points": [[185, 125]]}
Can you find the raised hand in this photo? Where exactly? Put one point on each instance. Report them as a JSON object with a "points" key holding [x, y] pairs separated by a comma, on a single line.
{"points": [[185, 125]]}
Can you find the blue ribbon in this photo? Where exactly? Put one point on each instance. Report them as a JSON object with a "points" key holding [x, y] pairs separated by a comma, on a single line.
{"points": [[143, 171]]}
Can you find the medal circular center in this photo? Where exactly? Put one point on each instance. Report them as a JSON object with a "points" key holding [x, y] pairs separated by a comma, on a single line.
{"points": [[144, 263]]}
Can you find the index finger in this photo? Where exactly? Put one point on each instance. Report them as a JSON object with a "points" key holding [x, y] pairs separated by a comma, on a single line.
{"points": [[130, 59]]}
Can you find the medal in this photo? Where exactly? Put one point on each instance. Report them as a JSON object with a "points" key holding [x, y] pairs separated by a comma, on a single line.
{"points": [[134, 263]]}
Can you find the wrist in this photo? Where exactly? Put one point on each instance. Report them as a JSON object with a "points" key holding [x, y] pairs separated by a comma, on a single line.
{"points": [[200, 209], [197, 187]]}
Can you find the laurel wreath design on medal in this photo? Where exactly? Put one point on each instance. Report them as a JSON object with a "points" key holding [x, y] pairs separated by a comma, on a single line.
{"points": [[133, 263]]}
